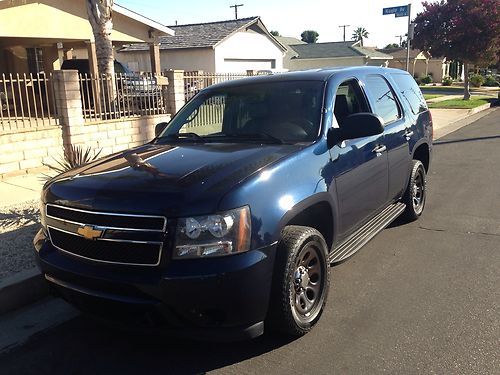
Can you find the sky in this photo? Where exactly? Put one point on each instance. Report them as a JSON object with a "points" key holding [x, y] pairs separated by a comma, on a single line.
{"points": [[289, 17]]}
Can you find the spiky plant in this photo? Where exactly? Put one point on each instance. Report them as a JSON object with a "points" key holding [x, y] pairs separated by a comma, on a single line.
{"points": [[74, 157]]}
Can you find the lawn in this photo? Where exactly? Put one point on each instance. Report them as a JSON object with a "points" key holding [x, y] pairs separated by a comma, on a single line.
{"points": [[431, 96], [462, 104]]}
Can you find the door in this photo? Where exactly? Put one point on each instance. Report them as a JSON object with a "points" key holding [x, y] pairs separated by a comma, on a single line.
{"points": [[385, 103], [360, 164]]}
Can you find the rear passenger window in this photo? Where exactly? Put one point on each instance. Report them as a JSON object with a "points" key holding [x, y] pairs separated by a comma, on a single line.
{"points": [[383, 99], [410, 92]]}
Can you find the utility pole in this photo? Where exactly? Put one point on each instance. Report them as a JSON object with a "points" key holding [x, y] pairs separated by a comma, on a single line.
{"points": [[236, 6], [409, 38], [400, 39], [344, 26]]}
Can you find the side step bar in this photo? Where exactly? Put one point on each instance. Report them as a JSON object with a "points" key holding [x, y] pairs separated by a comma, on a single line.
{"points": [[364, 234]]}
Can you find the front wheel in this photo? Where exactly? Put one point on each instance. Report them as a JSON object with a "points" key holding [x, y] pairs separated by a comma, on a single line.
{"points": [[416, 192], [300, 282]]}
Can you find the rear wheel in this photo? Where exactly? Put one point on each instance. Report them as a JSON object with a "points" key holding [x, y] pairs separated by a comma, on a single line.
{"points": [[416, 192], [300, 282]]}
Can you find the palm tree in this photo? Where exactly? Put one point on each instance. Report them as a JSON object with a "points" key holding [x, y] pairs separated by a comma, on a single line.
{"points": [[100, 15], [359, 34]]}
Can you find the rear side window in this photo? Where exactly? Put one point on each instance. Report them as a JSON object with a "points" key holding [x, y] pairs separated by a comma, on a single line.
{"points": [[383, 99], [410, 92]]}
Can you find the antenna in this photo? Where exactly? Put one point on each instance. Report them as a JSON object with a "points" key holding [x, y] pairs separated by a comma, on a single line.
{"points": [[344, 26]]}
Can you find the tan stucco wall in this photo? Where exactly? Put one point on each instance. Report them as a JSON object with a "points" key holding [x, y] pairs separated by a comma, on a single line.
{"points": [[247, 50], [303, 64], [438, 69], [61, 20], [185, 59]]}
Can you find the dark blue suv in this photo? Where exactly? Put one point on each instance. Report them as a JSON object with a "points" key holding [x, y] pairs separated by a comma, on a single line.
{"points": [[229, 220]]}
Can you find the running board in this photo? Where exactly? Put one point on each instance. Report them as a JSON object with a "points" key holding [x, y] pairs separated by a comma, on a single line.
{"points": [[364, 234]]}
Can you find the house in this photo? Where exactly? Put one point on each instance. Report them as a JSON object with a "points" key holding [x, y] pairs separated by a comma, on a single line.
{"points": [[216, 47], [421, 63], [317, 55], [39, 35]]}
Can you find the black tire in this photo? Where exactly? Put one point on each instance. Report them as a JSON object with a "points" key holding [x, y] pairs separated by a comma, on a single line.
{"points": [[416, 192], [300, 282]]}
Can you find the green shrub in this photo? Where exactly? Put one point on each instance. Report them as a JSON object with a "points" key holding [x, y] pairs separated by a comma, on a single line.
{"points": [[418, 80], [477, 80], [447, 81], [491, 81], [426, 79]]}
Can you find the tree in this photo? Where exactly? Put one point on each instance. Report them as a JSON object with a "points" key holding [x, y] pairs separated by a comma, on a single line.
{"points": [[309, 36], [464, 30], [360, 34], [100, 15], [275, 33], [392, 45]]}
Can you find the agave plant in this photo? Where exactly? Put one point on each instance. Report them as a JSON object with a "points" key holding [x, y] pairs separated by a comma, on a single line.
{"points": [[74, 157]]}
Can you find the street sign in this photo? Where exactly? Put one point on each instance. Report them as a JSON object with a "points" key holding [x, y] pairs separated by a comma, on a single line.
{"points": [[400, 11]]}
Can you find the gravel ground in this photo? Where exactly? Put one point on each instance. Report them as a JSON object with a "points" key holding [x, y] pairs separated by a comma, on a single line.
{"points": [[18, 226]]}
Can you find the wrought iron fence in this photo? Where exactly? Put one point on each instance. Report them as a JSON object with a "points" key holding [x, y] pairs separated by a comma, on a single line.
{"points": [[108, 97], [27, 101], [195, 81]]}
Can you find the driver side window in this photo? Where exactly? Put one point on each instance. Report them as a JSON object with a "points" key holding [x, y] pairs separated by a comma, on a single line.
{"points": [[349, 99]]}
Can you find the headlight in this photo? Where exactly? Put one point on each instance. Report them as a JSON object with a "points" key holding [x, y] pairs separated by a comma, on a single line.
{"points": [[216, 235]]}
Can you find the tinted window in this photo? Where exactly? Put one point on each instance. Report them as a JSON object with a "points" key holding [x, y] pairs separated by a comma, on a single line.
{"points": [[349, 99], [382, 98], [410, 92]]}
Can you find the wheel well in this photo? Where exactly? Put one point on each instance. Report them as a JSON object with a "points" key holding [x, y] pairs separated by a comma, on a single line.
{"points": [[319, 217], [422, 154]]}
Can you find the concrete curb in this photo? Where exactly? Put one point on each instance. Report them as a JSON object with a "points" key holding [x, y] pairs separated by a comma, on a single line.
{"points": [[22, 289], [472, 116]]}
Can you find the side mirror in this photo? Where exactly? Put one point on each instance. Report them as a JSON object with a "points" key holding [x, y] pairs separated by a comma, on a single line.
{"points": [[354, 126], [159, 128]]}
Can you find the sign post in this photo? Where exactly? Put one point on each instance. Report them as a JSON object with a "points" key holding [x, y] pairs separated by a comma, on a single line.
{"points": [[403, 11]]}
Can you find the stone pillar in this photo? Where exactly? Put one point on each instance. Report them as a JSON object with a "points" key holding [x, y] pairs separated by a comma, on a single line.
{"points": [[175, 90], [69, 106]]}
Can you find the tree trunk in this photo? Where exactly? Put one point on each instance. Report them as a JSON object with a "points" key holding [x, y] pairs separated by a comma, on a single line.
{"points": [[101, 19], [466, 81]]}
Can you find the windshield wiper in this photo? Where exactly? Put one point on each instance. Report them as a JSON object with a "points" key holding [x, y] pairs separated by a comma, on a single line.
{"points": [[253, 136], [183, 135]]}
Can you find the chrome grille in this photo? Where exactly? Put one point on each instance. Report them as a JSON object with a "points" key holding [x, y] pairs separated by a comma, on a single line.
{"points": [[107, 237]]}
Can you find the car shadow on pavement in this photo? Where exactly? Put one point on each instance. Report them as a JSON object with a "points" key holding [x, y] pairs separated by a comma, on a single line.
{"points": [[83, 346]]}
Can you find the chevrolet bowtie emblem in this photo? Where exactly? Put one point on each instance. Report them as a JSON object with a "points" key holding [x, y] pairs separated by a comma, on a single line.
{"points": [[89, 232]]}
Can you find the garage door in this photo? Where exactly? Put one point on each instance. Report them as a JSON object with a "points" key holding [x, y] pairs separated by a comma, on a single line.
{"points": [[242, 65]]}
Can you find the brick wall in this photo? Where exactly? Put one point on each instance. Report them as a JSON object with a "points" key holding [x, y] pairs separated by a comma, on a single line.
{"points": [[26, 151]]}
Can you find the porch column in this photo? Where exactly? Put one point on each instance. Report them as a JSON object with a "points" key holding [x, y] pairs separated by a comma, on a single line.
{"points": [[154, 53]]}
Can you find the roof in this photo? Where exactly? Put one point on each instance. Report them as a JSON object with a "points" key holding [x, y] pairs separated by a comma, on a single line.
{"points": [[288, 40], [321, 74], [336, 50], [140, 18], [325, 50], [400, 53], [203, 35]]}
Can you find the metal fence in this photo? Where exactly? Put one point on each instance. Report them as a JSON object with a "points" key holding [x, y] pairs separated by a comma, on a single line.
{"points": [[26, 101], [123, 96], [195, 81]]}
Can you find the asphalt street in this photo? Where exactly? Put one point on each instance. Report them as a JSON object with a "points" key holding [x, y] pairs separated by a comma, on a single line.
{"points": [[420, 298]]}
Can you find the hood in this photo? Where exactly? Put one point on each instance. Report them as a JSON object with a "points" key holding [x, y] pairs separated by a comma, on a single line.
{"points": [[174, 180]]}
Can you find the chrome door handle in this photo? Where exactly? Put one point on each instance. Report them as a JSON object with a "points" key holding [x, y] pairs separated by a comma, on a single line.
{"points": [[408, 133], [379, 149]]}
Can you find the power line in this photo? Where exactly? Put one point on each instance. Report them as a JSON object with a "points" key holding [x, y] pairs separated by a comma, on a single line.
{"points": [[236, 6], [344, 26]]}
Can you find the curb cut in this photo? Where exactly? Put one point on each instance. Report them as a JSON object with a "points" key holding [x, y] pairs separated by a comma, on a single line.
{"points": [[22, 289]]}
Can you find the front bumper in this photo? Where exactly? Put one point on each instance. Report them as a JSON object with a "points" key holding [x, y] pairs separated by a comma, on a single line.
{"points": [[221, 298]]}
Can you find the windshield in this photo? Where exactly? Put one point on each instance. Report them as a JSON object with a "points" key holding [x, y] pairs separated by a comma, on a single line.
{"points": [[278, 112]]}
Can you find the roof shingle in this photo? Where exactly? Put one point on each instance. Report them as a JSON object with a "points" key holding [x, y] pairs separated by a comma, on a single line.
{"points": [[200, 35]]}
